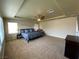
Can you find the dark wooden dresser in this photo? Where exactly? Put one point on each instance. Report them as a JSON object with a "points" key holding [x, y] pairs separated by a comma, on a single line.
{"points": [[72, 47]]}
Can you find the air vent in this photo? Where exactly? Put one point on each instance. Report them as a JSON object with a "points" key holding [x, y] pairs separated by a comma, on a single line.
{"points": [[50, 11]]}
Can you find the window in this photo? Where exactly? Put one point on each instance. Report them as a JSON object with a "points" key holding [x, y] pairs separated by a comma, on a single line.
{"points": [[1, 31], [12, 27]]}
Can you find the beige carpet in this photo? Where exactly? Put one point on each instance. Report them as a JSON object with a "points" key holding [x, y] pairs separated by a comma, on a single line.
{"points": [[42, 48]]}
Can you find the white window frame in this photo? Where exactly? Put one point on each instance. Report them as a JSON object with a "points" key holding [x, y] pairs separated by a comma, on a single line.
{"points": [[12, 27]]}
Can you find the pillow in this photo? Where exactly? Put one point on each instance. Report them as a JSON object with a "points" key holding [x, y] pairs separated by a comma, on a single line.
{"points": [[26, 31], [31, 30]]}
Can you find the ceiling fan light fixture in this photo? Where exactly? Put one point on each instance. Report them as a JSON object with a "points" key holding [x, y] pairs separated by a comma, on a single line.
{"points": [[39, 19]]}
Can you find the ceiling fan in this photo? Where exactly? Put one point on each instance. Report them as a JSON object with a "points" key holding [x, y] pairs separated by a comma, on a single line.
{"points": [[40, 17]]}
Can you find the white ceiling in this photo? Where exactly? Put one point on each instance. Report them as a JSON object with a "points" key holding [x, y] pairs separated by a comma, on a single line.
{"points": [[32, 8], [9, 8]]}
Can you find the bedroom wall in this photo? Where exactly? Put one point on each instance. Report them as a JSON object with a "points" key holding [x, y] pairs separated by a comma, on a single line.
{"points": [[60, 27], [22, 24], [78, 25]]}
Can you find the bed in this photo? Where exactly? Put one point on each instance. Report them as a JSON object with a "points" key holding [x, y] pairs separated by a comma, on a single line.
{"points": [[30, 34]]}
